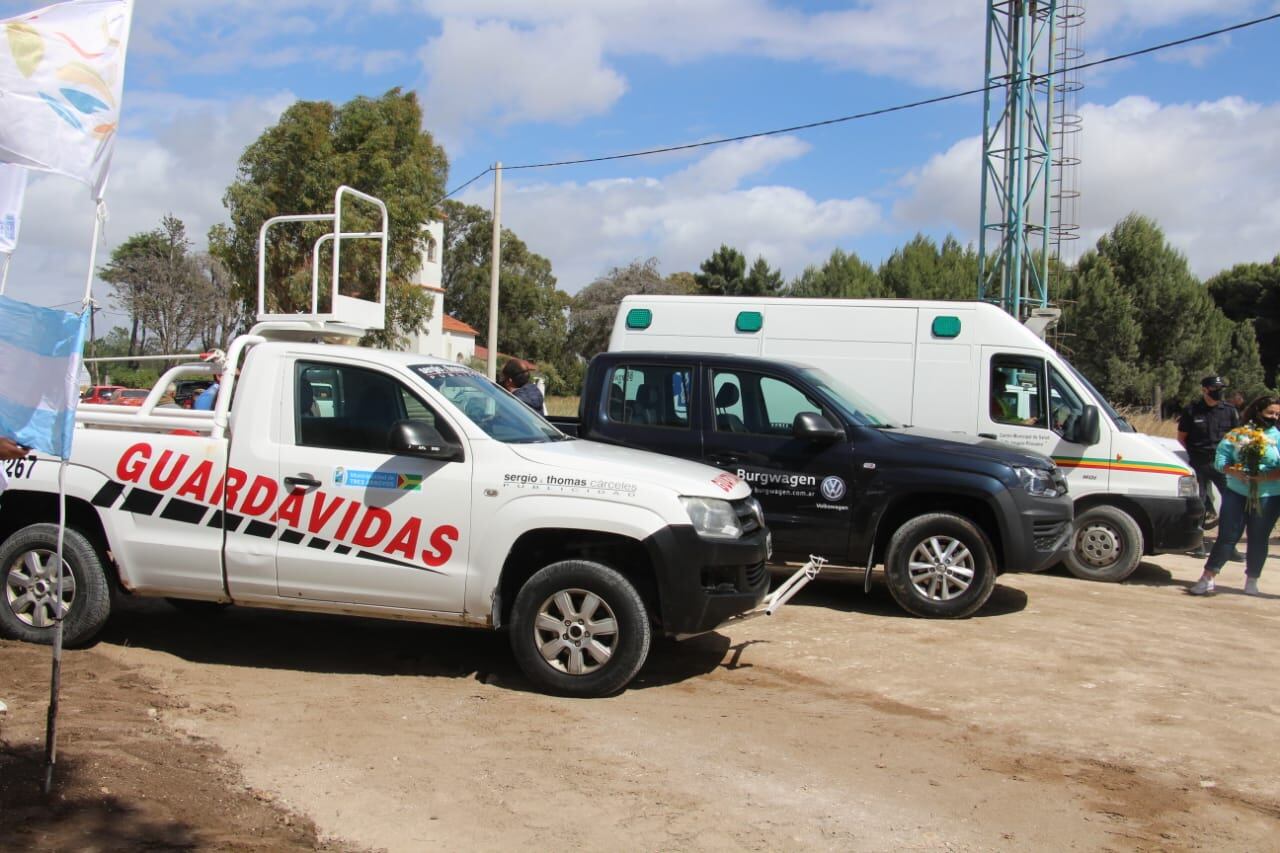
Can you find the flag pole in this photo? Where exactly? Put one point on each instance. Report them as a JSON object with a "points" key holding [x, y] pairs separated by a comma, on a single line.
{"points": [[55, 680]]}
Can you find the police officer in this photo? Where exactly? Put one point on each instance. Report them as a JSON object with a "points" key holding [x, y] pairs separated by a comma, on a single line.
{"points": [[1202, 425]]}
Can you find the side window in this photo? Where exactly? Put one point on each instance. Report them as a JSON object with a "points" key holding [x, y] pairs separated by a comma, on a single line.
{"points": [[758, 404], [351, 408], [650, 395], [782, 402], [1065, 406], [1017, 391], [727, 388]]}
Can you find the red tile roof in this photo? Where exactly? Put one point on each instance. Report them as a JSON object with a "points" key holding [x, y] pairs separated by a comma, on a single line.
{"points": [[453, 324]]}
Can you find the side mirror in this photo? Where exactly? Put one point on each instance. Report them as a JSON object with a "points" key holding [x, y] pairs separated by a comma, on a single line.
{"points": [[421, 439], [811, 426], [1088, 428]]}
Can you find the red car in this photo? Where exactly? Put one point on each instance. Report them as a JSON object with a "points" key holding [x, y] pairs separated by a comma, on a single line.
{"points": [[100, 393], [130, 397]]}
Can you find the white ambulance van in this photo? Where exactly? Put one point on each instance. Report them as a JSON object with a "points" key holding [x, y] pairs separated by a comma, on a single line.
{"points": [[959, 367]]}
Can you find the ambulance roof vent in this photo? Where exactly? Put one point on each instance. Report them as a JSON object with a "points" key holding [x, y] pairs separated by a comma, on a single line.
{"points": [[349, 316]]}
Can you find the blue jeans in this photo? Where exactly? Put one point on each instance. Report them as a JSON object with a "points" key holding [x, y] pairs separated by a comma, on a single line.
{"points": [[1232, 522]]}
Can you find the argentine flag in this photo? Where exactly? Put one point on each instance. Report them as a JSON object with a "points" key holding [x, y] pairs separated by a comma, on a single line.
{"points": [[40, 351]]}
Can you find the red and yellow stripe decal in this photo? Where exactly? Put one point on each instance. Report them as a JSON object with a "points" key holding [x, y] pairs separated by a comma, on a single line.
{"points": [[1119, 464]]}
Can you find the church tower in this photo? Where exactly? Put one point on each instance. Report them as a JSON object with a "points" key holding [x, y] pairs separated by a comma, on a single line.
{"points": [[430, 341]]}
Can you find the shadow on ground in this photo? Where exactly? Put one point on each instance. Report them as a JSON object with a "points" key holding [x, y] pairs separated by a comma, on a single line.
{"points": [[846, 596], [309, 642], [31, 821]]}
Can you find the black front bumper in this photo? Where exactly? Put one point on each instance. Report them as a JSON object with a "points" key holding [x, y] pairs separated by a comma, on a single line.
{"points": [[1175, 523], [1039, 533], [702, 583]]}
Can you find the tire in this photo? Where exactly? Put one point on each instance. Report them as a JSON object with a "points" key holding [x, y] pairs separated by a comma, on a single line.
{"points": [[26, 586], [940, 566], [1107, 545], [575, 663]]}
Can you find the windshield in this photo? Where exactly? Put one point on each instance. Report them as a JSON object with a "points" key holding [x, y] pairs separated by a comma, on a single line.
{"points": [[1116, 417], [501, 416], [851, 404]]}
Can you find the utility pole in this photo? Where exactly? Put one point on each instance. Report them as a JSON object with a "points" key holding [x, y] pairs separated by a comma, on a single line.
{"points": [[495, 262]]}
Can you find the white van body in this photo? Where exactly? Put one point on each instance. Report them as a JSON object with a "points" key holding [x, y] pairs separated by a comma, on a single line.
{"points": [[963, 367]]}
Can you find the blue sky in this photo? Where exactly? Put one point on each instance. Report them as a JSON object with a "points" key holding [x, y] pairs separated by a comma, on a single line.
{"points": [[1190, 136]]}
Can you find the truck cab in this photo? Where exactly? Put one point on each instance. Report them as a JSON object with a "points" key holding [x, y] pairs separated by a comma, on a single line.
{"points": [[944, 513]]}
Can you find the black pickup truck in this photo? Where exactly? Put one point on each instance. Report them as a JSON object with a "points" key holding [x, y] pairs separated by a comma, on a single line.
{"points": [[944, 513]]}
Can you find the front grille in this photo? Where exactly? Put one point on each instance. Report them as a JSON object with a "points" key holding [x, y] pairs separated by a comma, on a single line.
{"points": [[748, 516], [1048, 534], [731, 580]]}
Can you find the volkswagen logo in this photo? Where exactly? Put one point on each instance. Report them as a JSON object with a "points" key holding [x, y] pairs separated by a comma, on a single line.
{"points": [[833, 489]]}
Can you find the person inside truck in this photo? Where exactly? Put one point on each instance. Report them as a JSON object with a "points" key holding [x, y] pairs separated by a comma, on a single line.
{"points": [[515, 378]]}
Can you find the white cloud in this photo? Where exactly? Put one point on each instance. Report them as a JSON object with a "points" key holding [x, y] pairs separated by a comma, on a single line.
{"points": [[484, 71], [183, 169], [681, 218], [934, 43], [1206, 172]]}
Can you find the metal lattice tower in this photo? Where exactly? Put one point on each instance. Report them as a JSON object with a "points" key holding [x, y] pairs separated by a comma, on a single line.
{"points": [[1017, 156], [1068, 52]]}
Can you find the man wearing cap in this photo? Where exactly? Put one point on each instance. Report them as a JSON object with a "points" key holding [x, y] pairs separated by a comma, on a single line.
{"points": [[1203, 424]]}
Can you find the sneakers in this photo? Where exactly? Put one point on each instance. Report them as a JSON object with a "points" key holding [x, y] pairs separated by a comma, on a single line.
{"points": [[1251, 586], [1204, 586], [1236, 556], [1199, 553], [1210, 520]]}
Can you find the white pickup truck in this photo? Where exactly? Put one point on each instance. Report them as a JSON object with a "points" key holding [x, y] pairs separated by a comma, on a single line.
{"points": [[415, 489]]}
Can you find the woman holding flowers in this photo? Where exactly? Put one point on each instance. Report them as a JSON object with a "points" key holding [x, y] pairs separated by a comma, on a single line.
{"points": [[1249, 457]]}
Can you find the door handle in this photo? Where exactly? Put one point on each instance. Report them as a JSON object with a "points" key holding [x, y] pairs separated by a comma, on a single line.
{"points": [[302, 481], [723, 459], [991, 435]]}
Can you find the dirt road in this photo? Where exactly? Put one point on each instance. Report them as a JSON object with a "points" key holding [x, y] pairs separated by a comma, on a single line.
{"points": [[1066, 715]]}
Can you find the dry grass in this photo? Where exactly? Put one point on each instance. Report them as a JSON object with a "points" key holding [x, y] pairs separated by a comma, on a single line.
{"points": [[562, 406], [1150, 423]]}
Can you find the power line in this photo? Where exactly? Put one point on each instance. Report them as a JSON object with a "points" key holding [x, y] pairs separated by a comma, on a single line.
{"points": [[666, 149]]}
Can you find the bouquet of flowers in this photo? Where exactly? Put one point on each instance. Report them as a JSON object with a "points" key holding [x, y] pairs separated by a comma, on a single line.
{"points": [[1251, 445]]}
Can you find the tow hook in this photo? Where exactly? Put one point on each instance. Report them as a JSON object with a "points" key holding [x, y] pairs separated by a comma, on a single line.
{"points": [[774, 601]]}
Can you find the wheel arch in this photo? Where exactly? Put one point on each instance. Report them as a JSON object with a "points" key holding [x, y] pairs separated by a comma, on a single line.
{"points": [[19, 509], [1128, 507], [905, 507], [535, 549]]}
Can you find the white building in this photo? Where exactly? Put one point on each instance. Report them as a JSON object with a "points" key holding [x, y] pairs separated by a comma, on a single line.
{"points": [[444, 336]]}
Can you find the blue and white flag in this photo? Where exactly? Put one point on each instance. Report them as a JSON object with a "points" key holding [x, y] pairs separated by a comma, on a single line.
{"points": [[40, 352]]}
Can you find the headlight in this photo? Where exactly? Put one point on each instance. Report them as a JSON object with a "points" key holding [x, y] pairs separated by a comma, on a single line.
{"points": [[712, 518], [1188, 487], [1039, 482]]}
